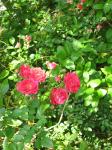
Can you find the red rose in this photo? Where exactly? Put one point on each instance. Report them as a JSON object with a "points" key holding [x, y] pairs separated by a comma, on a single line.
{"points": [[58, 78], [37, 74], [58, 96], [28, 38], [83, 1], [72, 82], [51, 65], [70, 1], [79, 6], [24, 71], [27, 86]]}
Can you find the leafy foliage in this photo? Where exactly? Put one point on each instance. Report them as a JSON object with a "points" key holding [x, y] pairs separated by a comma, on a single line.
{"points": [[77, 40]]}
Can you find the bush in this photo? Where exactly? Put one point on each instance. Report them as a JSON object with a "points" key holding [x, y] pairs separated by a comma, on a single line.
{"points": [[58, 36]]}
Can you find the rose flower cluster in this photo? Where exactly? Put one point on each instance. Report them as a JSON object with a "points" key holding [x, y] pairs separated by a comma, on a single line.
{"points": [[72, 85], [80, 5], [33, 76], [31, 79]]}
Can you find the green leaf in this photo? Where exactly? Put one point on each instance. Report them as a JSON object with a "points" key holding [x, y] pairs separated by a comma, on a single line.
{"points": [[4, 74], [20, 146], [107, 7], [1, 100], [101, 92], [18, 138], [12, 40], [98, 6], [94, 83], [109, 35], [107, 70], [21, 113], [77, 44], [88, 100], [69, 64], [89, 91], [41, 110], [61, 53], [5, 144], [83, 145], [110, 91], [110, 60], [12, 146], [9, 132], [86, 76], [109, 80], [4, 87], [46, 142], [87, 66], [15, 123]]}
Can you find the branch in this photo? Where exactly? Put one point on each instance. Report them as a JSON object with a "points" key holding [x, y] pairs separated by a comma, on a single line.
{"points": [[61, 116]]}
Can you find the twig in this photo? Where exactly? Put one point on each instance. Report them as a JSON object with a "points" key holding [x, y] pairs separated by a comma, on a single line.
{"points": [[61, 116]]}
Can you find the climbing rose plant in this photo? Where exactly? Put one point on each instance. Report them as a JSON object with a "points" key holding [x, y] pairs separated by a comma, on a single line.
{"points": [[32, 77]]}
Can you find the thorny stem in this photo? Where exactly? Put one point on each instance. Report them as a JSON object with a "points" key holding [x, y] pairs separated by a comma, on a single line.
{"points": [[61, 116]]}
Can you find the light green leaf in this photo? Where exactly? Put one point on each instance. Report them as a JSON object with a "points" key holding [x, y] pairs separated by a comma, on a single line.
{"points": [[69, 64], [15, 123], [110, 91], [101, 92], [77, 44], [109, 80], [89, 91], [86, 76], [107, 70], [88, 100], [94, 83], [12, 40]]}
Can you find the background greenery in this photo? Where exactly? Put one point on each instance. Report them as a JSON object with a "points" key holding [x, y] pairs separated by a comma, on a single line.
{"points": [[77, 40]]}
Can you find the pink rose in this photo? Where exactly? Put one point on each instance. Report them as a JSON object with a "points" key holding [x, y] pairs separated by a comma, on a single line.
{"points": [[18, 45], [28, 38], [70, 1], [51, 65], [72, 82], [37, 74], [79, 6], [58, 78], [24, 71], [58, 96], [83, 1], [27, 86]]}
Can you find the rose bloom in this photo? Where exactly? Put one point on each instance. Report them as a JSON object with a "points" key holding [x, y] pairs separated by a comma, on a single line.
{"points": [[83, 1], [79, 6], [18, 45], [58, 96], [99, 27], [72, 82], [58, 78], [51, 65], [24, 71], [28, 38], [70, 1], [27, 86], [37, 74]]}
